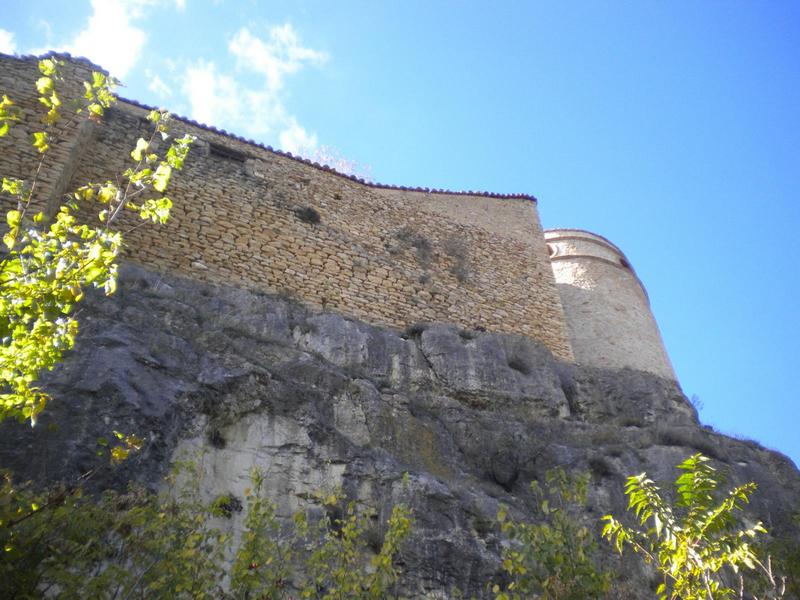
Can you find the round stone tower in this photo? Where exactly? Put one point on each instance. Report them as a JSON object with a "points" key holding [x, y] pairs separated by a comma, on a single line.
{"points": [[609, 322]]}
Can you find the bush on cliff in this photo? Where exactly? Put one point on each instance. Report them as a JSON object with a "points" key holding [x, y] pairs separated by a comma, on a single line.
{"points": [[556, 558], [697, 544], [138, 544]]}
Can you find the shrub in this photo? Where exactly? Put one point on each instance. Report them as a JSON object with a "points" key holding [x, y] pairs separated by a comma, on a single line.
{"points": [[693, 543], [556, 558], [408, 237], [143, 545], [458, 250]]}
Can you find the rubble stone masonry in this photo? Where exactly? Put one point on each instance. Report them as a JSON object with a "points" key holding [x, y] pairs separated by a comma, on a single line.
{"points": [[249, 216]]}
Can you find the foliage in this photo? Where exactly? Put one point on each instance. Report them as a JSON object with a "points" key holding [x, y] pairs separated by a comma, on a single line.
{"points": [[52, 257], [335, 567], [120, 545], [556, 558], [693, 543], [783, 554], [787, 562], [138, 544], [331, 554], [262, 567]]}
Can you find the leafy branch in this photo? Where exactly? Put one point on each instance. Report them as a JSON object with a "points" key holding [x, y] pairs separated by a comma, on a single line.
{"points": [[692, 545], [51, 259]]}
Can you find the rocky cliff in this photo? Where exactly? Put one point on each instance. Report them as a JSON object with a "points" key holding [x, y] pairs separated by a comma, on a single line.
{"points": [[318, 400]]}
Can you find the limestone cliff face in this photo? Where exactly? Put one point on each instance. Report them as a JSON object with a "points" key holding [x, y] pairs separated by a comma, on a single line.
{"points": [[318, 400]]}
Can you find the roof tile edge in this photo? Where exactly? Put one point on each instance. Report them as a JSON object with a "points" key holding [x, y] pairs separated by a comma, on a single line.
{"points": [[329, 169]]}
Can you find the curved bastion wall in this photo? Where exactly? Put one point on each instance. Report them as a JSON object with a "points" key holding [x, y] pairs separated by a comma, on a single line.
{"points": [[608, 314]]}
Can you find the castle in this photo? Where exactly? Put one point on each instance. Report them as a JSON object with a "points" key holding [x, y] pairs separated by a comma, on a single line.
{"points": [[365, 391], [254, 217]]}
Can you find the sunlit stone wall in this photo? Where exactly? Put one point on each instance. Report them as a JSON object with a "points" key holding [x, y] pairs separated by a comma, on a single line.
{"points": [[609, 320], [253, 217]]}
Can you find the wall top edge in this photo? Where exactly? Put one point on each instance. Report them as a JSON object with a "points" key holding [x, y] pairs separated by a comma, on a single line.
{"points": [[300, 159], [554, 235], [53, 54], [562, 233]]}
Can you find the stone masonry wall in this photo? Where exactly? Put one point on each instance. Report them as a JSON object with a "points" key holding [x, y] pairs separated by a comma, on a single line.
{"points": [[246, 215], [609, 320], [18, 157]]}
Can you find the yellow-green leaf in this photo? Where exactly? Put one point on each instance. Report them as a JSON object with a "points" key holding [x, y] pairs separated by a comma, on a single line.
{"points": [[47, 66], [40, 141], [44, 85], [141, 147], [13, 218], [161, 177]]}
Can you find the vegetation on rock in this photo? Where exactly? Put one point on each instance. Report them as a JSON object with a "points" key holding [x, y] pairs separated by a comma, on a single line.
{"points": [[138, 544], [695, 544], [556, 558]]}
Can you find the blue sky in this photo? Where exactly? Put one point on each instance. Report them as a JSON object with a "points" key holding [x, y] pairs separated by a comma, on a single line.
{"points": [[670, 128]]}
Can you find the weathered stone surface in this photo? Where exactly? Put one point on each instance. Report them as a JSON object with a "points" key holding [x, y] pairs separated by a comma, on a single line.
{"points": [[318, 400], [248, 216]]}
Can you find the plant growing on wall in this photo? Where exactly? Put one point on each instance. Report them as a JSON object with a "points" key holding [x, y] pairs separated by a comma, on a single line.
{"points": [[51, 258]]}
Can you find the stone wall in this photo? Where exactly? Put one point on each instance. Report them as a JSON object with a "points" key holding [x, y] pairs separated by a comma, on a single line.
{"points": [[18, 158], [609, 320], [246, 215]]}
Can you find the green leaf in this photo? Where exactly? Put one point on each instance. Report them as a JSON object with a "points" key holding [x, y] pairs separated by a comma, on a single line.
{"points": [[98, 80], [44, 85], [13, 217], [107, 193], [161, 177], [141, 147], [40, 141], [156, 210], [47, 67], [12, 186]]}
